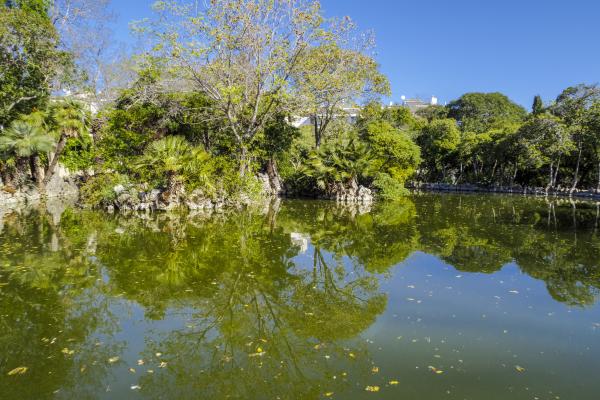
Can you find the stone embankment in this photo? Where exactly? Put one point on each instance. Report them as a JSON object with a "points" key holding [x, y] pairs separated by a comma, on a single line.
{"points": [[591, 194]]}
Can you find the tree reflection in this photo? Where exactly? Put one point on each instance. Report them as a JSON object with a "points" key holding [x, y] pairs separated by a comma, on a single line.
{"points": [[262, 303]]}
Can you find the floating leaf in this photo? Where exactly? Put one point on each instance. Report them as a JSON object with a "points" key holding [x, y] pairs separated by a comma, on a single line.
{"points": [[18, 371], [375, 370], [136, 387], [519, 368], [328, 394], [372, 388], [393, 383], [113, 360], [132, 370]]}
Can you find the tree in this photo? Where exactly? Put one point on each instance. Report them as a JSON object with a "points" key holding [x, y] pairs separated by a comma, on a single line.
{"points": [[571, 105], [339, 165], [27, 140], [438, 141], [478, 112], [167, 157], [71, 120], [538, 105], [241, 54], [591, 123], [545, 139], [332, 79], [30, 61], [395, 152]]}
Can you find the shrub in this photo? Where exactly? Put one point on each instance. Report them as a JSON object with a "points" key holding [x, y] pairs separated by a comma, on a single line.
{"points": [[98, 191]]}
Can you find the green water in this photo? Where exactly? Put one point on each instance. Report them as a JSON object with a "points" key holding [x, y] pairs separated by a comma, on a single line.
{"points": [[434, 297]]}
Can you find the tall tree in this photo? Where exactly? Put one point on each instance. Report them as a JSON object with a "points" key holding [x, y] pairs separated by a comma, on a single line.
{"points": [[30, 61], [478, 112], [72, 120], [571, 105], [538, 105], [333, 79]]}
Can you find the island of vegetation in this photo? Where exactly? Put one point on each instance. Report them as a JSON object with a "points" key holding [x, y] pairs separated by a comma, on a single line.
{"points": [[204, 115]]}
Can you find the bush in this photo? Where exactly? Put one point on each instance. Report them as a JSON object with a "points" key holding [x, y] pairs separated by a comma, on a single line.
{"points": [[389, 188], [98, 191]]}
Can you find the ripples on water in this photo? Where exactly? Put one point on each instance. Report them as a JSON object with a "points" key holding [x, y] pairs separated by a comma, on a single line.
{"points": [[433, 297]]}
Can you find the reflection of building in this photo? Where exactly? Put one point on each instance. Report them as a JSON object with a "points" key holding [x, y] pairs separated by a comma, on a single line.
{"points": [[417, 104], [300, 240]]}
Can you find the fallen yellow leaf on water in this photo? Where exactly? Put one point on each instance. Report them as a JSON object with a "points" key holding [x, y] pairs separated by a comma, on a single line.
{"points": [[439, 372], [520, 369], [68, 352], [375, 370], [394, 382], [162, 364], [18, 371], [372, 388], [132, 370], [113, 359], [352, 355], [140, 362], [328, 394]]}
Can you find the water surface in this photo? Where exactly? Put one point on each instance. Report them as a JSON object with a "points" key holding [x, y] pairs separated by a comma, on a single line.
{"points": [[433, 297]]}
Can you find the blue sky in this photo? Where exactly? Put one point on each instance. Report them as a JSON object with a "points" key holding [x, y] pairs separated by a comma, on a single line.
{"points": [[449, 47]]}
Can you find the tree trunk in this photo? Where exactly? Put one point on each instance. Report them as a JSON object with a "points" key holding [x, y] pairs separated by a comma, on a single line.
{"points": [[551, 177], [576, 174], [317, 131], [598, 187], [36, 171], [243, 160], [52, 165], [273, 173], [556, 173]]}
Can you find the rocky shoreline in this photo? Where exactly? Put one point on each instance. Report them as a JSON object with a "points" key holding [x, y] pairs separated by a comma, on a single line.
{"points": [[591, 194]]}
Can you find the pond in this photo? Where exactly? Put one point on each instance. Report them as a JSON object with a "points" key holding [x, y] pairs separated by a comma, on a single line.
{"points": [[432, 297]]}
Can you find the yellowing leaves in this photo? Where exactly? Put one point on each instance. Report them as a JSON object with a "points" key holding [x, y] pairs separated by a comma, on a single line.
{"points": [[520, 369], [435, 370], [372, 388], [18, 371], [113, 360], [394, 383], [375, 370]]}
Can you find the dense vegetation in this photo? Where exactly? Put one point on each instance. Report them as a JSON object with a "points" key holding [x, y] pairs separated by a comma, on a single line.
{"points": [[213, 101]]}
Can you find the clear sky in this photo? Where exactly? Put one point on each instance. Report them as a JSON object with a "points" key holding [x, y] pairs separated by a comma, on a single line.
{"points": [[449, 47]]}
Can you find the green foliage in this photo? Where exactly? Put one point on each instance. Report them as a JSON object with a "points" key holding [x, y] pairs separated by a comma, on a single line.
{"points": [[346, 161], [29, 59], [24, 140], [98, 190], [388, 187], [79, 154], [478, 112], [538, 105], [394, 151]]}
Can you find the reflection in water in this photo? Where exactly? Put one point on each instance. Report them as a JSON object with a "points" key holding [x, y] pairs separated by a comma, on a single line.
{"points": [[250, 305]]}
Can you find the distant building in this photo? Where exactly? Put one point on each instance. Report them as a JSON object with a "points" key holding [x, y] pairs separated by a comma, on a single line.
{"points": [[351, 114], [415, 105]]}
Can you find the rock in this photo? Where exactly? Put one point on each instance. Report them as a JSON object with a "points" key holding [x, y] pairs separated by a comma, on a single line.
{"points": [[119, 189], [198, 201]]}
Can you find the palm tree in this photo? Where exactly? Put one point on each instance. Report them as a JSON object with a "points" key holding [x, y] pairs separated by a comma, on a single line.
{"points": [[342, 163], [26, 140], [71, 120], [168, 157]]}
